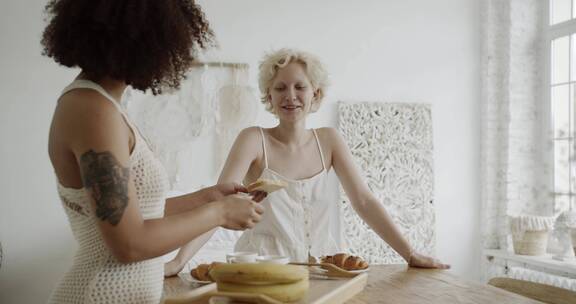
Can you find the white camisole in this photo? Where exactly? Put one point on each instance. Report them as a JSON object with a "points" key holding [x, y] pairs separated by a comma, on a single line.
{"points": [[298, 220]]}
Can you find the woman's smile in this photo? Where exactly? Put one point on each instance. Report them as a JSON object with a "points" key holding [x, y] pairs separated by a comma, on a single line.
{"points": [[291, 108]]}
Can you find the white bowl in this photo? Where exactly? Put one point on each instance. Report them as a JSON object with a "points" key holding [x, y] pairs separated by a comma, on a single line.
{"points": [[273, 259], [241, 257]]}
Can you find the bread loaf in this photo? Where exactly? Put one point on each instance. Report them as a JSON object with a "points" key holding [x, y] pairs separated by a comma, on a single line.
{"points": [[202, 272], [346, 261]]}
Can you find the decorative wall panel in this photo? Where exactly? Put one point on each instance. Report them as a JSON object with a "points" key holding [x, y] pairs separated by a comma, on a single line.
{"points": [[392, 146]]}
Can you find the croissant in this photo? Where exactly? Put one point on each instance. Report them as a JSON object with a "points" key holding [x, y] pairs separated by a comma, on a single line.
{"points": [[202, 272], [266, 185], [346, 261]]}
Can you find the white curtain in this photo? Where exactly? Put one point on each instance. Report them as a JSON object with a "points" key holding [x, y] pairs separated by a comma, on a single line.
{"points": [[514, 176]]}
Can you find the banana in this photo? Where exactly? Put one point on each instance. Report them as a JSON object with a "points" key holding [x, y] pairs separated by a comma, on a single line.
{"points": [[288, 292], [258, 274]]}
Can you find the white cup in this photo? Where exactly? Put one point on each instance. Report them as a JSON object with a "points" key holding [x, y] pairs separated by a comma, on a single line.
{"points": [[273, 259], [241, 257]]}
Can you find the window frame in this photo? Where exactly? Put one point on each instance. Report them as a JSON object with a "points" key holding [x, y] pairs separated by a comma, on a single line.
{"points": [[552, 32]]}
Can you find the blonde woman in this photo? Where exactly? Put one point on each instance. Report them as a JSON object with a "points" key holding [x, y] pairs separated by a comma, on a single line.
{"points": [[297, 221]]}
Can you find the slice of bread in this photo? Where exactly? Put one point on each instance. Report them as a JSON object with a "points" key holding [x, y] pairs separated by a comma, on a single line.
{"points": [[266, 185]]}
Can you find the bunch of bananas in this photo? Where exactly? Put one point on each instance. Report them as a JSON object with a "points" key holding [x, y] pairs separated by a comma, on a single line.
{"points": [[286, 283]]}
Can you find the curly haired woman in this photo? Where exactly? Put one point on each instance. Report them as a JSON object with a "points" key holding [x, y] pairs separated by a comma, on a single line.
{"points": [[112, 188]]}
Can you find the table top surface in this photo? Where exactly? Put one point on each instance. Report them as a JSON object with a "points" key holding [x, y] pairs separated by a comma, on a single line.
{"points": [[400, 284]]}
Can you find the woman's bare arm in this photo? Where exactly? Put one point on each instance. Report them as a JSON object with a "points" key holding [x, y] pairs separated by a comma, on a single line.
{"points": [[99, 137], [241, 156], [190, 201], [368, 207]]}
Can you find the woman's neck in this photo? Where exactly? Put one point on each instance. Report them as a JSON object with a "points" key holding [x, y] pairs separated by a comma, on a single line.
{"points": [[112, 86], [291, 134]]}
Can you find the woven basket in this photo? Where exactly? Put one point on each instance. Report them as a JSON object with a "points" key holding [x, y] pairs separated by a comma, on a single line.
{"points": [[530, 233], [530, 242]]}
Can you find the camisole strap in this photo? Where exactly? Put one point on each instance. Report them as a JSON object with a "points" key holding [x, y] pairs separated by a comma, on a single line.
{"points": [[264, 148], [319, 149]]}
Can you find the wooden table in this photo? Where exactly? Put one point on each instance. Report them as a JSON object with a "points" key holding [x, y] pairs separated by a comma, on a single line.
{"points": [[398, 284]]}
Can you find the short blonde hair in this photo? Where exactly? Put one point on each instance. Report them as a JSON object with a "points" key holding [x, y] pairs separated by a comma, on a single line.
{"points": [[276, 60]]}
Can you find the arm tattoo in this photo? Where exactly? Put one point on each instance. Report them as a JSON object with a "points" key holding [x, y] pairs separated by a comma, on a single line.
{"points": [[107, 181]]}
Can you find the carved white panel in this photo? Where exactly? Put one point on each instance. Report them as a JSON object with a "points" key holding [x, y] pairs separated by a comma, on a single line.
{"points": [[392, 145]]}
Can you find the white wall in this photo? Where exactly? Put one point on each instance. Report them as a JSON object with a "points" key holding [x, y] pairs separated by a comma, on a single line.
{"points": [[393, 51]]}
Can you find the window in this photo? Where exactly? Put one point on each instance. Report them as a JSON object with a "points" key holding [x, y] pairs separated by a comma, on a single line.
{"points": [[561, 40]]}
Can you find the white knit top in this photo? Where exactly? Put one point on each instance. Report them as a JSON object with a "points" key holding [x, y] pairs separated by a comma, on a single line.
{"points": [[96, 276]]}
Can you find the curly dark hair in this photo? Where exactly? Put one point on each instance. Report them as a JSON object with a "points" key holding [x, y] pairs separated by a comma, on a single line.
{"points": [[149, 44]]}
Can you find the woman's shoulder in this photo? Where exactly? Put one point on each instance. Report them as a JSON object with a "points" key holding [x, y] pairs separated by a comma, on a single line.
{"points": [[328, 133], [84, 109], [250, 135], [79, 101], [330, 138], [253, 131]]}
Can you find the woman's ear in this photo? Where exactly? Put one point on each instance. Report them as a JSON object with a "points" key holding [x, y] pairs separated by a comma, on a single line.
{"points": [[269, 103], [316, 101], [317, 95]]}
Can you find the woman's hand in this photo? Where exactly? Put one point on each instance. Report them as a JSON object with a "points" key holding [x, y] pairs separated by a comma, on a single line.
{"points": [[258, 196], [219, 191], [190, 201], [239, 212], [422, 261]]}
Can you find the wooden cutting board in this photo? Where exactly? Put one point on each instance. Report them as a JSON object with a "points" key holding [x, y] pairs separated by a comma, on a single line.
{"points": [[333, 291]]}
